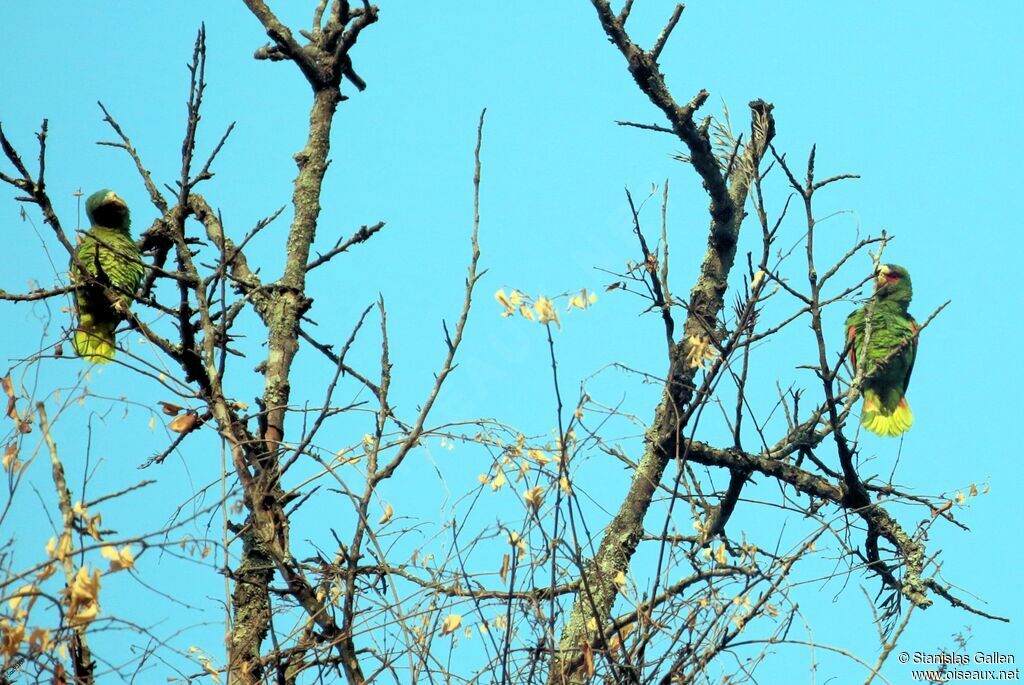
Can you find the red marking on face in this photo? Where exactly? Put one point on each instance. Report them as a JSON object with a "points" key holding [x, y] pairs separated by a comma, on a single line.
{"points": [[892, 277]]}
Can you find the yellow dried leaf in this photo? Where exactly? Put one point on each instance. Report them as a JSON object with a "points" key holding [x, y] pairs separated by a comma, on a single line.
{"points": [[720, 557], [119, 558], [12, 410], [85, 587], [41, 640], [756, 280], [563, 483], [524, 468], [539, 457], [518, 542], [535, 497], [620, 578], [960, 498], [617, 638], [389, 511], [498, 481], [82, 596], [505, 302], [505, 560], [546, 312], [45, 572], [451, 624], [59, 549], [26, 591], [588, 659], [210, 669], [699, 353], [10, 458], [10, 639]]}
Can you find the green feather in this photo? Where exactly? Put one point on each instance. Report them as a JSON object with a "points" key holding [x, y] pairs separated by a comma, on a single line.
{"points": [[110, 258], [885, 351]]}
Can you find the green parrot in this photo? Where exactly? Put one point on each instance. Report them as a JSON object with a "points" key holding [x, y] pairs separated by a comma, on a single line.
{"points": [[893, 340], [112, 258]]}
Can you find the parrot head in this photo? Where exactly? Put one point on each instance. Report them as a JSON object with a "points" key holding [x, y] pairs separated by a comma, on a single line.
{"points": [[106, 208], [892, 283]]}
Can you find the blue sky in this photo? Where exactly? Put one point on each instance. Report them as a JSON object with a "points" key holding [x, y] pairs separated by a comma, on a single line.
{"points": [[919, 99]]}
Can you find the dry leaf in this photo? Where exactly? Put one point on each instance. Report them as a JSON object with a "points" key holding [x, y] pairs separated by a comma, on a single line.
{"points": [[26, 591], [184, 423], [720, 557], [8, 387], [389, 511], [505, 559], [617, 639], [59, 550], [451, 624], [546, 312], [535, 497], [82, 596], [46, 571], [170, 409], [119, 558], [10, 458]]}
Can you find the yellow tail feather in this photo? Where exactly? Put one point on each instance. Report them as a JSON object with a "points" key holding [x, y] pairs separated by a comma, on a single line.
{"points": [[877, 420], [95, 345]]}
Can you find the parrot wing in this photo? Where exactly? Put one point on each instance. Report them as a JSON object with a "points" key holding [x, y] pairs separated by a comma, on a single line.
{"points": [[851, 341], [911, 353]]}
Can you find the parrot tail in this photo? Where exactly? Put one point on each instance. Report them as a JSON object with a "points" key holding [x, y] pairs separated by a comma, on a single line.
{"points": [[94, 340], [882, 421]]}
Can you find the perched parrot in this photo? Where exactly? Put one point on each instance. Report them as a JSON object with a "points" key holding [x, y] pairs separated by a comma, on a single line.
{"points": [[112, 258], [888, 354]]}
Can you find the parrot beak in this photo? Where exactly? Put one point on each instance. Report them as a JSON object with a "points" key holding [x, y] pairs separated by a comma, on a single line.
{"points": [[882, 274], [114, 199]]}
